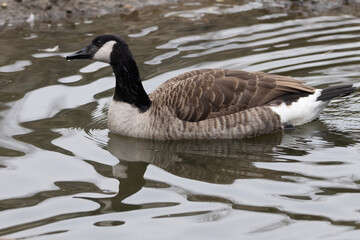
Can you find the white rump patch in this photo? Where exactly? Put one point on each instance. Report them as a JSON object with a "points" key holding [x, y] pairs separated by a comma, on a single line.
{"points": [[305, 110], [103, 54]]}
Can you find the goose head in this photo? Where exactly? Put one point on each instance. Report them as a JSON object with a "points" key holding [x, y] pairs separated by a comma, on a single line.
{"points": [[115, 51], [104, 48]]}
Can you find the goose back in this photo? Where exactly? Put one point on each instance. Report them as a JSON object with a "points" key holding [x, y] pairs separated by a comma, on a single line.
{"points": [[208, 93]]}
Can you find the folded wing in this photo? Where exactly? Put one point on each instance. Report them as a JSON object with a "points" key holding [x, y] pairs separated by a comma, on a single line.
{"points": [[209, 93]]}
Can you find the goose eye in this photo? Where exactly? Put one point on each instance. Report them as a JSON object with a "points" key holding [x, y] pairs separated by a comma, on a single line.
{"points": [[97, 43]]}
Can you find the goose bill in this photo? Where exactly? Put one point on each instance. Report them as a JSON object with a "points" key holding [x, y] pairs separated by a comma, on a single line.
{"points": [[82, 54]]}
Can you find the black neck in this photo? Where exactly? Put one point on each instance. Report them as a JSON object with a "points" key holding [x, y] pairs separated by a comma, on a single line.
{"points": [[128, 86]]}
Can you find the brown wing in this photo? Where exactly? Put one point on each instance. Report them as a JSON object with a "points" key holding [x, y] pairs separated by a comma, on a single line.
{"points": [[208, 93]]}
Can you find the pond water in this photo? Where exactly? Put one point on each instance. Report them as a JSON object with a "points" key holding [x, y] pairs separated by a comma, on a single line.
{"points": [[64, 176]]}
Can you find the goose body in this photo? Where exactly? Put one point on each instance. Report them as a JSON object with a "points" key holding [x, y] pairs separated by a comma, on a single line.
{"points": [[205, 103]]}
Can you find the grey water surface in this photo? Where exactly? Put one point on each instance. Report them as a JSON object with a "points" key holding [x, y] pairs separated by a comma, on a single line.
{"points": [[63, 175]]}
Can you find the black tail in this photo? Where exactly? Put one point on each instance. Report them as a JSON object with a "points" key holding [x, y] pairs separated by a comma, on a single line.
{"points": [[335, 91]]}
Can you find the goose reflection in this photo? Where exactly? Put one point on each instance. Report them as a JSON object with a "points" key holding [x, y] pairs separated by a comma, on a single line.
{"points": [[215, 161], [212, 161]]}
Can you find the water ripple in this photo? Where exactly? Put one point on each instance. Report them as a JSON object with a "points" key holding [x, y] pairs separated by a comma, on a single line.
{"points": [[15, 67]]}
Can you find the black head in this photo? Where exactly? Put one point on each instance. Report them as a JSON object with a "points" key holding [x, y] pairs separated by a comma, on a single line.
{"points": [[99, 49], [115, 51]]}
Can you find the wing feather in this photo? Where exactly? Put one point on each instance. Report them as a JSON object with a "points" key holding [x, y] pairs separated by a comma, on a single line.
{"points": [[208, 93]]}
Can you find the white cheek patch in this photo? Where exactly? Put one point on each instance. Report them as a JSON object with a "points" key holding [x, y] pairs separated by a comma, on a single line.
{"points": [[103, 54]]}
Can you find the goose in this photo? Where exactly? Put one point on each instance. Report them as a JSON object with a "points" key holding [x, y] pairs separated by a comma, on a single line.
{"points": [[204, 103]]}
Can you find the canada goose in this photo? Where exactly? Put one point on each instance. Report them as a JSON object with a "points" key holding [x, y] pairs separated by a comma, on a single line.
{"points": [[206, 103]]}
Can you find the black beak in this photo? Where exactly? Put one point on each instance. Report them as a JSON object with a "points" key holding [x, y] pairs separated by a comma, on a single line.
{"points": [[82, 54]]}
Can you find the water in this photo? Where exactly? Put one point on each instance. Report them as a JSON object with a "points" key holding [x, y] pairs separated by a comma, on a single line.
{"points": [[64, 176]]}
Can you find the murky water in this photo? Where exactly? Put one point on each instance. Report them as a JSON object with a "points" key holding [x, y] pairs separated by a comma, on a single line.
{"points": [[64, 176]]}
